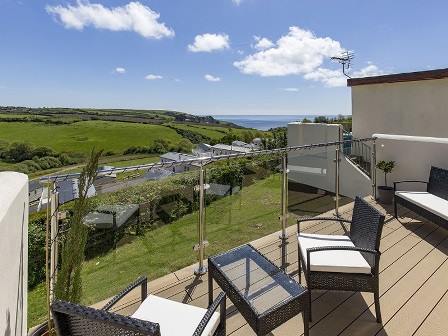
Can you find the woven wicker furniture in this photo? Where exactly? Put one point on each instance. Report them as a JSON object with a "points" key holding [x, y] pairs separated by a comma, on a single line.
{"points": [[431, 204], [154, 317], [264, 295], [347, 263]]}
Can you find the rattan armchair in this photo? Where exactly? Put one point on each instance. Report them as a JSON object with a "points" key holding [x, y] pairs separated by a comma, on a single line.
{"points": [[150, 319], [347, 263]]}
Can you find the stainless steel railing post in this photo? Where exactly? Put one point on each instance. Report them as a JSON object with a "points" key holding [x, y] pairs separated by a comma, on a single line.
{"points": [[336, 175], [284, 210], [373, 169], [200, 247], [53, 203]]}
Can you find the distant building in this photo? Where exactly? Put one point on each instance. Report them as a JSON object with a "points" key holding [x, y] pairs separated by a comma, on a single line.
{"points": [[251, 145], [68, 190], [221, 149], [107, 174], [172, 157], [202, 150]]}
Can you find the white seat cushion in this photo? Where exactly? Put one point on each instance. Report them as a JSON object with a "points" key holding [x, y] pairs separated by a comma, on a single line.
{"points": [[427, 201], [332, 261], [175, 318]]}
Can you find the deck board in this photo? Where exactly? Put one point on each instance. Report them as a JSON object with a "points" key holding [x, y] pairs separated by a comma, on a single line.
{"points": [[413, 283]]}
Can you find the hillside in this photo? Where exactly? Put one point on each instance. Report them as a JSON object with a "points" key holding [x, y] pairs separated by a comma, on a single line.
{"points": [[70, 115], [38, 139]]}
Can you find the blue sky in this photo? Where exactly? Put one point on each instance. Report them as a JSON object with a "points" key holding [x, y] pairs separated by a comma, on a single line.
{"points": [[209, 56]]}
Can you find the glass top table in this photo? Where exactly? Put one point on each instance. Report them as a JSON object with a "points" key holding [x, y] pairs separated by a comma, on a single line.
{"points": [[265, 295]]}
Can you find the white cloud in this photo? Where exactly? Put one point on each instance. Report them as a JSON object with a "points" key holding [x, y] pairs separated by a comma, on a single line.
{"points": [[291, 89], [335, 78], [210, 42], [120, 70], [299, 52], [296, 53], [134, 17], [331, 78], [370, 70], [237, 2], [212, 78], [262, 43], [153, 77]]}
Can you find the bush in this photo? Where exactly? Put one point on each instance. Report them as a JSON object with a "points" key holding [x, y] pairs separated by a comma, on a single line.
{"points": [[160, 146], [183, 146], [36, 249], [32, 166], [48, 162], [18, 152], [42, 151]]}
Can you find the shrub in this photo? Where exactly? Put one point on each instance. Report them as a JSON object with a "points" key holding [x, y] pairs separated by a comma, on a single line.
{"points": [[18, 152], [160, 146], [36, 249], [42, 151], [32, 166]]}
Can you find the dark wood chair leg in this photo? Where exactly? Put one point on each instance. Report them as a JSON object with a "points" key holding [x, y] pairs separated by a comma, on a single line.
{"points": [[299, 267]]}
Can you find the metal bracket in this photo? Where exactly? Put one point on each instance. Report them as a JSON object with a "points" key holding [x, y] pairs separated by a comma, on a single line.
{"points": [[280, 217], [198, 187], [196, 247]]}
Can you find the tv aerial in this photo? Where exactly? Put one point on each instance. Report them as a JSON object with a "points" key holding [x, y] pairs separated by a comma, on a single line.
{"points": [[345, 59]]}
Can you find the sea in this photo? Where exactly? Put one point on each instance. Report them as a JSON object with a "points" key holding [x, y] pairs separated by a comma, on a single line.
{"points": [[264, 122]]}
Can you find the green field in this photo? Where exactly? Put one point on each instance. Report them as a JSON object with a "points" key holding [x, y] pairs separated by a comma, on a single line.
{"points": [[231, 221], [81, 137], [214, 132]]}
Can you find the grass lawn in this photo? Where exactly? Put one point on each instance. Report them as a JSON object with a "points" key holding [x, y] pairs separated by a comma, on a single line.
{"points": [[231, 221], [81, 137], [215, 133]]}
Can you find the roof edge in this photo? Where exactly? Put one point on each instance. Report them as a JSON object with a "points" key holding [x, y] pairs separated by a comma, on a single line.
{"points": [[400, 77]]}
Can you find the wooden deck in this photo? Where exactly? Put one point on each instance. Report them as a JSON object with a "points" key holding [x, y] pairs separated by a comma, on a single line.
{"points": [[413, 284]]}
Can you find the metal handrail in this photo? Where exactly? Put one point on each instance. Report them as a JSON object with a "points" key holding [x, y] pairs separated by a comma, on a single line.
{"points": [[204, 161]]}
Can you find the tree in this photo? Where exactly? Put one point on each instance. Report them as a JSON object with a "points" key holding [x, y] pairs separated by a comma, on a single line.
{"points": [[19, 151], [184, 146], [229, 137], [42, 151], [321, 120], [69, 283], [160, 146], [386, 167], [248, 136]]}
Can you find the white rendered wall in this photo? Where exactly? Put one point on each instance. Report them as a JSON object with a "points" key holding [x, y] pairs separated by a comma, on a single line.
{"points": [[418, 108], [13, 253], [317, 168], [413, 157]]}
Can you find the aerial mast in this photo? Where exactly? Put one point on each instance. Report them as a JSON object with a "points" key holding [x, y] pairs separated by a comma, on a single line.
{"points": [[345, 59]]}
